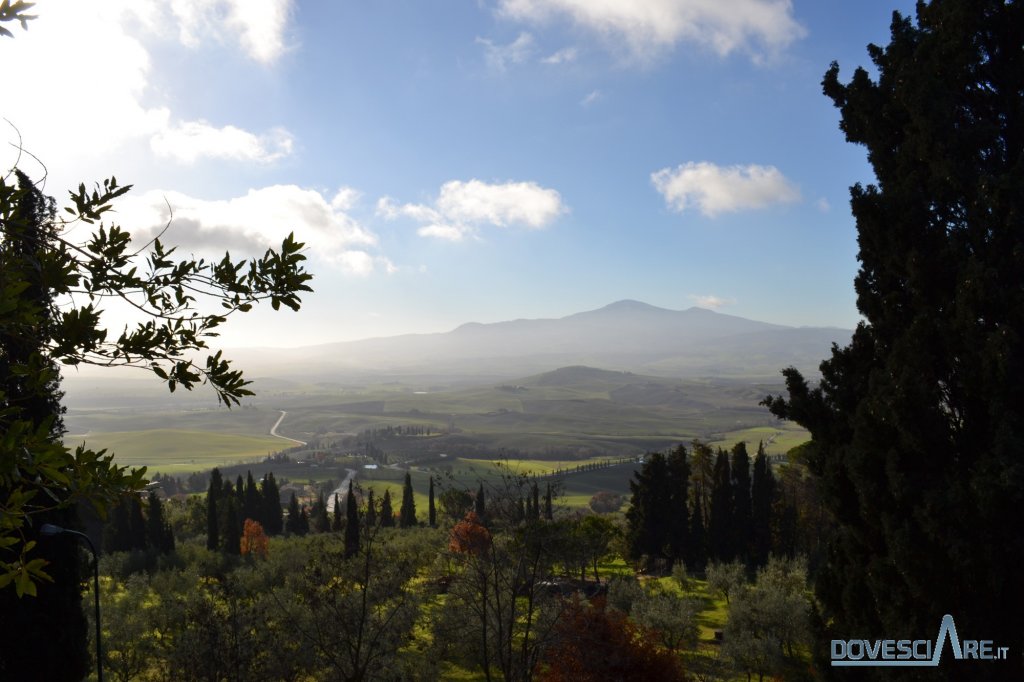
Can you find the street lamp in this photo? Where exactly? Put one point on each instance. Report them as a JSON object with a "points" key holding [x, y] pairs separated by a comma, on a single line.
{"points": [[49, 530]]}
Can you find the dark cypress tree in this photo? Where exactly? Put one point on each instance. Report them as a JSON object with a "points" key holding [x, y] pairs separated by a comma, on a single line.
{"points": [[273, 519], [351, 522], [213, 496], [762, 498], [240, 495], [917, 425], [42, 637], [319, 520], [742, 516], [117, 535], [407, 512], [548, 507], [303, 522], [371, 509], [387, 516], [480, 504], [431, 509], [158, 530], [697, 552], [253, 507], [136, 523], [336, 522], [720, 525], [677, 466], [291, 526]]}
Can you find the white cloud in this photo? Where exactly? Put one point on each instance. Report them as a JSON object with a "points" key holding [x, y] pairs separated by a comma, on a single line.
{"points": [[715, 189], [186, 142], [563, 56], [87, 98], [823, 205], [462, 207], [499, 57], [760, 28], [711, 301], [249, 224], [258, 26], [345, 198]]}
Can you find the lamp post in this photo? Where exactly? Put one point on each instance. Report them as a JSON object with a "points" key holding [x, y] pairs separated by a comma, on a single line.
{"points": [[49, 530]]}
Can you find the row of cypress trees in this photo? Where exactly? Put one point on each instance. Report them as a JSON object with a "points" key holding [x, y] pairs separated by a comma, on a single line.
{"points": [[228, 506], [695, 507]]}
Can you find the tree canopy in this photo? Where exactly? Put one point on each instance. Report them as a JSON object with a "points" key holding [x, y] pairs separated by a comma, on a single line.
{"points": [[917, 424], [52, 290]]}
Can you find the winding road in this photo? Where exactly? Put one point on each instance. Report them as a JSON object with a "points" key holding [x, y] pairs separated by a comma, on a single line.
{"points": [[341, 490], [273, 430]]}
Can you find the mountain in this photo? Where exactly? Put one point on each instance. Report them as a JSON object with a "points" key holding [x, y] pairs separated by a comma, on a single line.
{"points": [[624, 336]]}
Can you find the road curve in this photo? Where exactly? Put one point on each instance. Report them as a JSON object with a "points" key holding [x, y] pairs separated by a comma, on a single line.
{"points": [[273, 430]]}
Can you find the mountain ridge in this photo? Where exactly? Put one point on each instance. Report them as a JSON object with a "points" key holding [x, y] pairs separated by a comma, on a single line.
{"points": [[625, 335]]}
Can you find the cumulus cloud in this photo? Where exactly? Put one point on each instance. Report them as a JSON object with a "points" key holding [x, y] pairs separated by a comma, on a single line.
{"points": [[186, 142], [759, 28], [716, 189], [711, 301], [500, 57], [87, 93], [461, 208], [248, 225]]}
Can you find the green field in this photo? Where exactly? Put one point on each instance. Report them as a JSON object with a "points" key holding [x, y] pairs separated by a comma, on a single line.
{"points": [[173, 451]]}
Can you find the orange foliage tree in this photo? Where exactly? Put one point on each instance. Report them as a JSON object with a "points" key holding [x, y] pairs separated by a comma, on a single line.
{"points": [[469, 536], [254, 540], [594, 644]]}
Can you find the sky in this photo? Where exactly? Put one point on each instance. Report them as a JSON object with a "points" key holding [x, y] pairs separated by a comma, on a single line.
{"points": [[465, 160]]}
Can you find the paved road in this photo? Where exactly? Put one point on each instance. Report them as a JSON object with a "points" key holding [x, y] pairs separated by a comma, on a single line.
{"points": [[341, 490], [273, 430]]}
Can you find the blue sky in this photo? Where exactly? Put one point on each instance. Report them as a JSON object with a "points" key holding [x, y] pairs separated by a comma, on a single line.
{"points": [[468, 160]]}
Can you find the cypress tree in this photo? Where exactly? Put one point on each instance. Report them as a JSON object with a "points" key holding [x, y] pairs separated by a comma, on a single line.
{"points": [[742, 516], [136, 523], [117, 536], [916, 425], [213, 496], [292, 525], [762, 497], [548, 509], [387, 516], [351, 522], [720, 525], [319, 520], [158, 530], [677, 466], [407, 512], [431, 509], [535, 508], [697, 553], [336, 524], [479, 504], [648, 516], [253, 508], [371, 509], [273, 520], [240, 493]]}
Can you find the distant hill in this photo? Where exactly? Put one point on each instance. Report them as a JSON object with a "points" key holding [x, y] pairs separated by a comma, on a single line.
{"points": [[624, 336]]}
